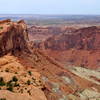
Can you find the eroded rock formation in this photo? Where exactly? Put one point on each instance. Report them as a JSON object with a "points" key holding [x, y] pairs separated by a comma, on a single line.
{"points": [[13, 36], [17, 82]]}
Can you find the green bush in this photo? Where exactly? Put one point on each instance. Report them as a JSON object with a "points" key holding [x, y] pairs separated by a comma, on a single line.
{"points": [[30, 73], [10, 88], [14, 79], [2, 83], [9, 83]]}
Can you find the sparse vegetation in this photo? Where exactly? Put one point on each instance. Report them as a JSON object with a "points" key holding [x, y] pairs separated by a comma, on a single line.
{"points": [[12, 83], [16, 84], [6, 70], [16, 73], [1, 27], [14, 79], [9, 83], [28, 82], [21, 90], [29, 92], [2, 83], [2, 98], [10, 88], [30, 73]]}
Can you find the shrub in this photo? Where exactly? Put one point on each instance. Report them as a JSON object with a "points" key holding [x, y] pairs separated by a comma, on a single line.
{"points": [[2, 98], [1, 27], [29, 92], [10, 88], [16, 73], [2, 83], [21, 90], [16, 84], [14, 79], [30, 73], [9, 83], [6, 70], [28, 82]]}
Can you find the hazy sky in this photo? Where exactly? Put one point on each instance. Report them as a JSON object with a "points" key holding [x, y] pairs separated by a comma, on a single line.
{"points": [[49, 6]]}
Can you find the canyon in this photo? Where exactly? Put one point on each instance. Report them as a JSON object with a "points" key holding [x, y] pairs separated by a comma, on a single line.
{"points": [[32, 73], [75, 46]]}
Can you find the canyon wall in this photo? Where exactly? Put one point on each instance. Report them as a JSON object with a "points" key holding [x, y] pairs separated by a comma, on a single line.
{"points": [[84, 38]]}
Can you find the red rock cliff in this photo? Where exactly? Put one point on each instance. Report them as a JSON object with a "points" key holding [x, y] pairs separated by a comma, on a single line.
{"points": [[13, 36]]}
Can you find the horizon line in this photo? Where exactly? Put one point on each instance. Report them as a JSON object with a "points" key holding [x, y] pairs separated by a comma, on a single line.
{"points": [[50, 14]]}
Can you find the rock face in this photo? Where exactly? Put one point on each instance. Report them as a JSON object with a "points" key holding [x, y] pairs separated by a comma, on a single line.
{"points": [[13, 36], [84, 38]]}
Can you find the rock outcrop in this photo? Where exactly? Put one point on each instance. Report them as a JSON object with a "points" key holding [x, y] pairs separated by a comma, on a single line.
{"points": [[13, 36]]}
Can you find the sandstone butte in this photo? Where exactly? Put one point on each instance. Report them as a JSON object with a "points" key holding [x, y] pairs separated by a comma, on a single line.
{"points": [[29, 74]]}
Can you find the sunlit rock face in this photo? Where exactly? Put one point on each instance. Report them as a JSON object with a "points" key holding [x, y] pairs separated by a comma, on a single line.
{"points": [[13, 36]]}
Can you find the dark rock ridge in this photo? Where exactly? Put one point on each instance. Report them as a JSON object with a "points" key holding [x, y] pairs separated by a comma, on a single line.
{"points": [[13, 36]]}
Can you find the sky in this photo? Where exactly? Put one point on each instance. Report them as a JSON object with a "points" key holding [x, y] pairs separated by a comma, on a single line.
{"points": [[87, 7]]}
